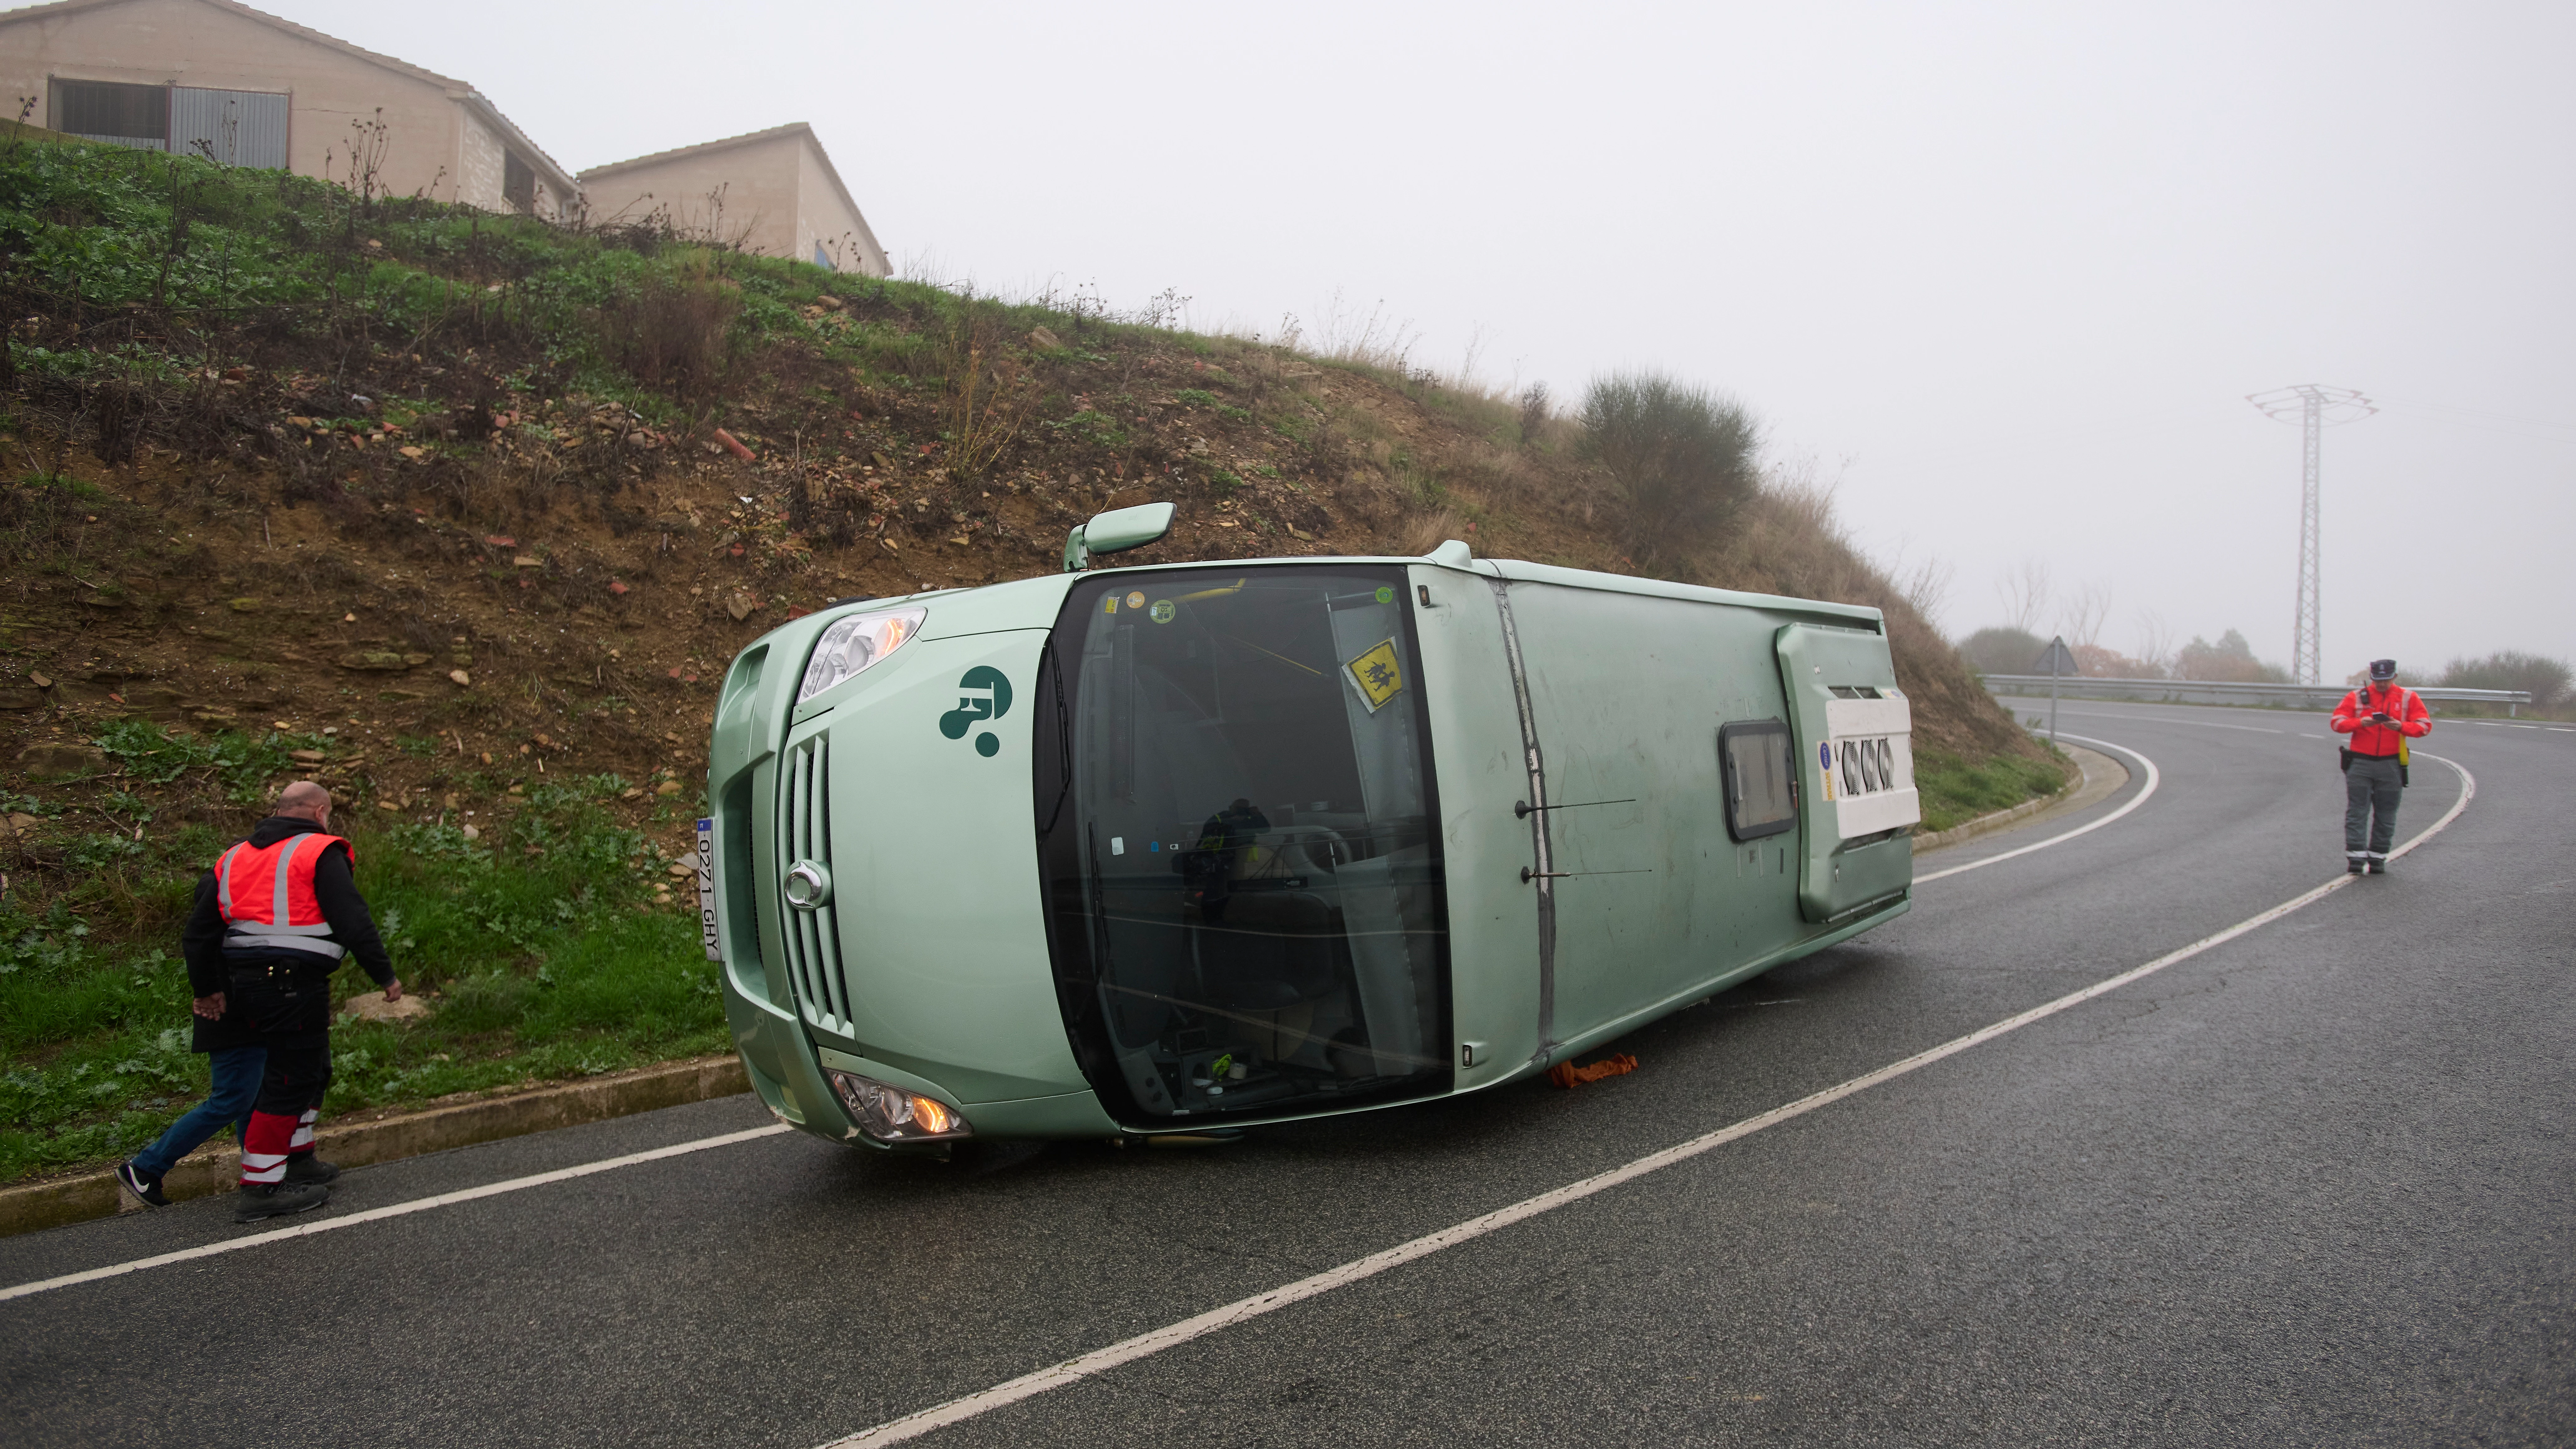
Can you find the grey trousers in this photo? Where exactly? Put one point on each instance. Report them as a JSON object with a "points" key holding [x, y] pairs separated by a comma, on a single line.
{"points": [[2370, 794]]}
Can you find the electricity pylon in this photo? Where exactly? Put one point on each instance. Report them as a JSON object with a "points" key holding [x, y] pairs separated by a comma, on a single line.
{"points": [[2316, 408]]}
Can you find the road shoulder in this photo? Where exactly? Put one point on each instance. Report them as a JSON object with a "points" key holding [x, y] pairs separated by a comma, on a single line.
{"points": [[387, 1136]]}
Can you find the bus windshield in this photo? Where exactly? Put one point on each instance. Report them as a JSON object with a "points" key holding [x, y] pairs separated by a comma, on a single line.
{"points": [[1242, 855]]}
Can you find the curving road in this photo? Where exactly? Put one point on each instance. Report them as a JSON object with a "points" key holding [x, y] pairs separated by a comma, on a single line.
{"points": [[2312, 1184]]}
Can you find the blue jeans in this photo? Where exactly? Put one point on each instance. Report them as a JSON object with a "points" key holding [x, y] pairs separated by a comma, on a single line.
{"points": [[237, 1072]]}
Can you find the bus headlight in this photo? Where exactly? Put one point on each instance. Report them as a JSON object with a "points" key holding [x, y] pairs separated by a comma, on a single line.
{"points": [[854, 643], [891, 1114]]}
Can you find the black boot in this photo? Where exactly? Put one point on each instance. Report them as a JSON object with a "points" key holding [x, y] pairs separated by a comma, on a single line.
{"points": [[277, 1199], [309, 1168]]}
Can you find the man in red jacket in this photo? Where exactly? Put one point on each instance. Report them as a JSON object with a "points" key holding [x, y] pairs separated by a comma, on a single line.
{"points": [[2381, 717], [272, 920]]}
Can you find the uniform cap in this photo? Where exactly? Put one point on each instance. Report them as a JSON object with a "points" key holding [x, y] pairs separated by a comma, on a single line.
{"points": [[2383, 670]]}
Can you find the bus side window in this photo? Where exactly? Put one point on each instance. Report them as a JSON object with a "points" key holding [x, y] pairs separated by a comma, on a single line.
{"points": [[1760, 774]]}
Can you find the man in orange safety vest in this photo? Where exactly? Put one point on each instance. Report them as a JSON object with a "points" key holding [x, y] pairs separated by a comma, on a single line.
{"points": [[2381, 717], [271, 922]]}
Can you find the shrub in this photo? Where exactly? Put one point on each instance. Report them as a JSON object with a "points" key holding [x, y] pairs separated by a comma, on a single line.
{"points": [[2002, 650], [1533, 414], [674, 335], [2548, 679], [1682, 455]]}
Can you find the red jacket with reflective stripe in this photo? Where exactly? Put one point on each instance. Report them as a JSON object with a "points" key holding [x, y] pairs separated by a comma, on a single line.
{"points": [[266, 892], [220, 928], [2379, 742]]}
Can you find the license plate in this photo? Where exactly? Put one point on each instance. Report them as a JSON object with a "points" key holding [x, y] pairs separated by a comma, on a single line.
{"points": [[707, 890]]}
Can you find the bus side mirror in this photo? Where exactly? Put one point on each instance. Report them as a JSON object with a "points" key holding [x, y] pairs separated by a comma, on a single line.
{"points": [[1115, 531]]}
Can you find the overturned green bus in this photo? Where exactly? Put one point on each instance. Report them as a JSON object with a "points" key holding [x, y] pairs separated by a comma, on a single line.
{"points": [[1151, 851]]}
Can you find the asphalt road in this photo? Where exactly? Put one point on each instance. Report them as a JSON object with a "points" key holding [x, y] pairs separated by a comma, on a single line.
{"points": [[2313, 1185]]}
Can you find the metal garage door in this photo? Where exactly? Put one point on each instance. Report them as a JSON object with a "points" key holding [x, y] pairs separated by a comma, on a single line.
{"points": [[236, 128]]}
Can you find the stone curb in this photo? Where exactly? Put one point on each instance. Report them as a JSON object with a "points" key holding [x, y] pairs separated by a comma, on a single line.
{"points": [[1985, 824], [27, 1208]]}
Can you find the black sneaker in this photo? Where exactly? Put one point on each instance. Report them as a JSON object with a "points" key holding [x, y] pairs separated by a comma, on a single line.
{"points": [[2379, 866], [277, 1199], [2352, 866], [309, 1168], [145, 1190]]}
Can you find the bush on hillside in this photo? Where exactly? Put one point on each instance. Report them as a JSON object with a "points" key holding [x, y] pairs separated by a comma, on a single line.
{"points": [[2002, 650], [2548, 679], [674, 334], [1682, 455]]}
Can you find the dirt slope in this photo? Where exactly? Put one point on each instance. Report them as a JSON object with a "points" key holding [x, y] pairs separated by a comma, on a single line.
{"points": [[483, 549]]}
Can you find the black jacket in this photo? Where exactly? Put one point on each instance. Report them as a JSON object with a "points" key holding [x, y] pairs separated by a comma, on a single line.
{"points": [[335, 889]]}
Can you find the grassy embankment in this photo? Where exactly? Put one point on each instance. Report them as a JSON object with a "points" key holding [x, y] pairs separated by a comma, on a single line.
{"points": [[540, 943], [1957, 790], [430, 505]]}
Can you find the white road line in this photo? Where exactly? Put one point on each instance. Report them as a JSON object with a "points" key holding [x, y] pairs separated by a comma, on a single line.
{"points": [[445, 1199], [2153, 779], [957, 1411]]}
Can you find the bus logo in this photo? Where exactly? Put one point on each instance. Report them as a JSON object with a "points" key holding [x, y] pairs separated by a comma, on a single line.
{"points": [[972, 708]]}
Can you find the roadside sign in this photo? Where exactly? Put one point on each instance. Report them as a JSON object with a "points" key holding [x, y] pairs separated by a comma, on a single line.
{"points": [[2055, 661]]}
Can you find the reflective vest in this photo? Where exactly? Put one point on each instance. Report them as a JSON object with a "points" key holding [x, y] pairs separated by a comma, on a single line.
{"points": [[2403, 706], [266, 896]]}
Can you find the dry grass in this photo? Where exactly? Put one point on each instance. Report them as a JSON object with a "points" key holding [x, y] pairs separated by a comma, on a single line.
{"points": [[988, 387], [675, 335], [1787, 540], [1427, 531]]}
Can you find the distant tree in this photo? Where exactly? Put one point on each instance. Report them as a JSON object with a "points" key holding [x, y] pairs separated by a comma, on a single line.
{"points": [[2099, 662], [2548, 679], [2155, 644], [2229, 661], [2003, 650], [1683, 455], [2025, 592], [2083, 615]]}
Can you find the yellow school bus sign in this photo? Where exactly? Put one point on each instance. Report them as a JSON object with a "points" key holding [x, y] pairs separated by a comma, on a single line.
{"points": [[1377, 675]]}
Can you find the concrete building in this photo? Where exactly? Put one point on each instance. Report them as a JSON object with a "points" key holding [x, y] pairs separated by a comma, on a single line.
{"points": [[218, 78], [773, 192]]}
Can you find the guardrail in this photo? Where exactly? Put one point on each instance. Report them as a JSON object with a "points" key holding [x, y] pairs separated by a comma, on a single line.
{"points": [[2210, 691]]}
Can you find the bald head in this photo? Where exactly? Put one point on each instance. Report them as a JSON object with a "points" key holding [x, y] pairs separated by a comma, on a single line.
{"points": [[305, 801]]}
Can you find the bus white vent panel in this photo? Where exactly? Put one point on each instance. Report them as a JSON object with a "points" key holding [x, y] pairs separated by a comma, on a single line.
{"points": [[1869, 764]]}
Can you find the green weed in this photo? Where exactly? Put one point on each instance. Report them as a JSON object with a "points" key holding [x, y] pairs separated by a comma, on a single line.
{"points": [[538, 941], [1955, 791]]}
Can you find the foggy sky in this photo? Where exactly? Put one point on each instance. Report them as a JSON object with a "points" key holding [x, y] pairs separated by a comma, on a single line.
{"points": [[2006, 272]]}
